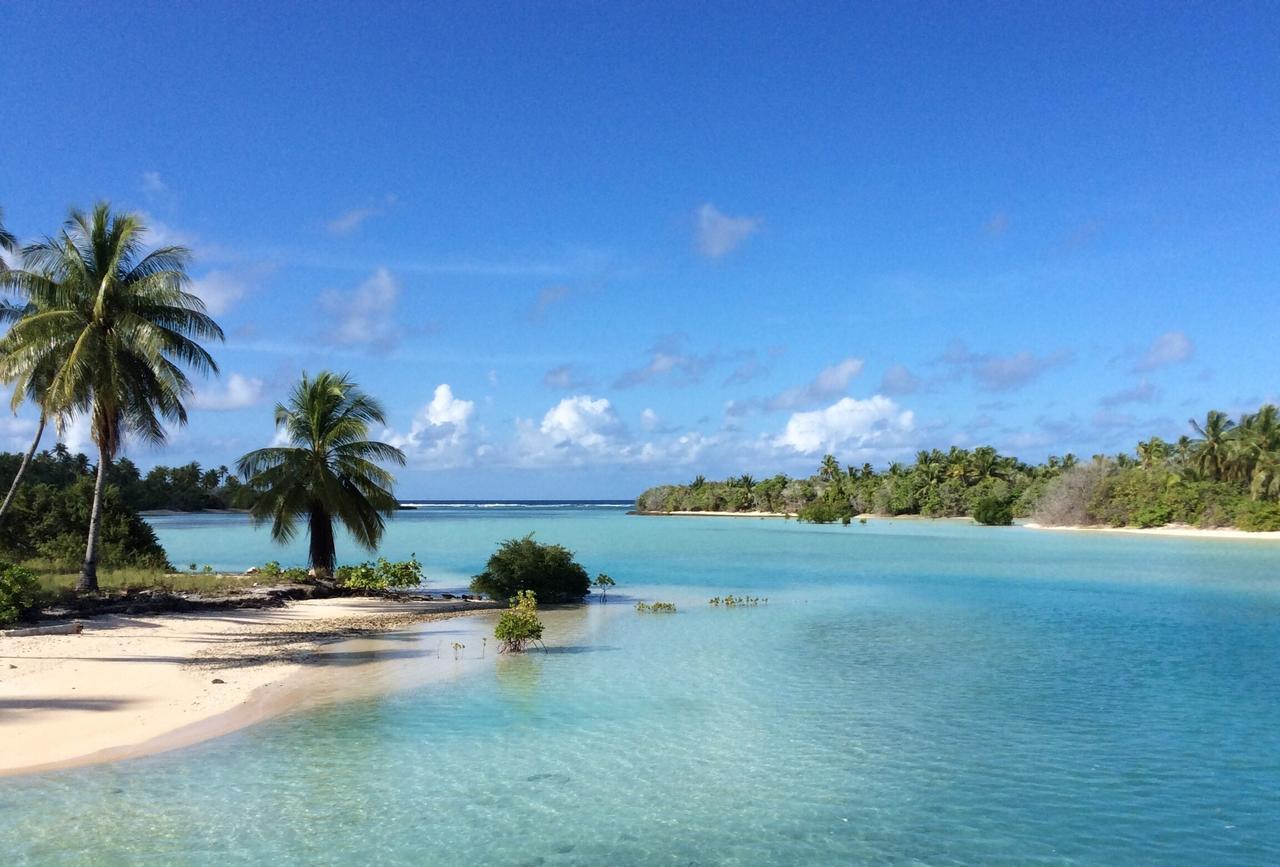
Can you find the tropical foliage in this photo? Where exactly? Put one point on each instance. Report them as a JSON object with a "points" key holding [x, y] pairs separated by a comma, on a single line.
{"points": [[1228, 474], [48, 519], [330, 472], [523, 564], [519, 625], [381, 575], [19, 592], [106, 331]]}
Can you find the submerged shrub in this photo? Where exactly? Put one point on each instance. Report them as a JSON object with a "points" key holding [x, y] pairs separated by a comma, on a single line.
{"points": [[656, 607], [993, 511], [523, 564], [19, 591], [519, 625]]}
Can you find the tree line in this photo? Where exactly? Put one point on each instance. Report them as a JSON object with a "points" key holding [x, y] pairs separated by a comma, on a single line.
{"points": [[1227, 474]]}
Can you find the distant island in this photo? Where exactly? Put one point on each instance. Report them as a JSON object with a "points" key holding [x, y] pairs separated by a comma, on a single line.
{"points": [[1227, 475]]}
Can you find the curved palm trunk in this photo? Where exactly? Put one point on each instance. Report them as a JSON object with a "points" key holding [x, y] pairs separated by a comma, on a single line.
{"points": [[322, 549], [22, 468], [89, 573]]}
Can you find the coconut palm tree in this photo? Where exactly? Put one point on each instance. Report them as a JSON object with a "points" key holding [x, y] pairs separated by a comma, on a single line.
{"points": [[830, 469], [8, 242], [329, 472], [113, 327], [1212, 453], [36, 392]]}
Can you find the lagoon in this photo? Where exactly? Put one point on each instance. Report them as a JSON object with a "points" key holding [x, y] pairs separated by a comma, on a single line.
{"points": [[914, 691]]}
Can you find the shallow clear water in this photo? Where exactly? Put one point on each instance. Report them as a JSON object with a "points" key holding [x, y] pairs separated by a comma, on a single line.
{"points": [[926, 692]]}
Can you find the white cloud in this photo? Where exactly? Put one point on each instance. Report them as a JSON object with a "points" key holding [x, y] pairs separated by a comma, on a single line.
{"points": [[1172, 347], [718, 233], [650, 420], [349, 221], [16, 433], [848, 425], [219, 290], [899, 380], [566, 377], [829, 382], [238, 392], [365, 315], [669, 362], [1001, 372], [153, 183], [440, 434]]}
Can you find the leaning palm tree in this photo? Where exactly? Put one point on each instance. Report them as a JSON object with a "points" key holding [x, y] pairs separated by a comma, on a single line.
{"points": [[37, 392], [329, 472], [113, 328]]}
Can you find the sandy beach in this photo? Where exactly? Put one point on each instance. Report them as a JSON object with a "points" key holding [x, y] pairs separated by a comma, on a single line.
{"points": [[128, 686], [1185, 531], [721, 514]]}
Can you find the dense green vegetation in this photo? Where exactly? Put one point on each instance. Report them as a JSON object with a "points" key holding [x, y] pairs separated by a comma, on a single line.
{"points": [[19, 591], [1228, 474], [523, 564], [48, 518], [381, 575]]}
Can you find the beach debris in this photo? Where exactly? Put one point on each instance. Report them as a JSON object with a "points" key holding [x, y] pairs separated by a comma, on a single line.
{"points": [[59, 629], [217, 680]]}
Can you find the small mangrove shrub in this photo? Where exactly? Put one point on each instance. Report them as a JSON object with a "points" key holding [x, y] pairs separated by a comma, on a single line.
{"points": [[603, 582], [523, 564], [656, 607], [732, 601], [19, 589], [381, 575], [519, 625]]}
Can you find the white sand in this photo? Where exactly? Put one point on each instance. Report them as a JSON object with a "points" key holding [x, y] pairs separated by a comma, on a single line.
{"points": [[133, 685], [724, 514], [1183, 530]]}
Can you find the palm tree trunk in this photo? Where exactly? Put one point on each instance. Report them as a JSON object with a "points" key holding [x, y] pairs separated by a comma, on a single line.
{"points": [[322, 550], [89, 574], [22, 467]]}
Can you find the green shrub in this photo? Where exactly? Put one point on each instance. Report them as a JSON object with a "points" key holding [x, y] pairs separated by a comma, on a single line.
{"points": [[993, 512], [1151, 515], [519, 624], [382, 575], [19, 590], [657, 607], [1258, 516], [825, 512], [523, 564]]}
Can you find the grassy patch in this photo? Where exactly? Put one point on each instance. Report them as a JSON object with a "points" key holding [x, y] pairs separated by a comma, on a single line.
{"points": [[56, 579]]}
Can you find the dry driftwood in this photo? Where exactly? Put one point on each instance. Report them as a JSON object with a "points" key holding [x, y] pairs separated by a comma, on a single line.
{"points": [[58, 629]]}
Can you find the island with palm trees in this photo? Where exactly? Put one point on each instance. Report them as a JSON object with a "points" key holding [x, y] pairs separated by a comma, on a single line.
{"points": [[1225, 476]]}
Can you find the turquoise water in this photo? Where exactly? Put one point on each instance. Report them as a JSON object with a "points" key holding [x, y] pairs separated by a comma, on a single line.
{"points": [[914, 692]]}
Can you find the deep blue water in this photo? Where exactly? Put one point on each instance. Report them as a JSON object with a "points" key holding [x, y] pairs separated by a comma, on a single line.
{"points": [[913, 692]]}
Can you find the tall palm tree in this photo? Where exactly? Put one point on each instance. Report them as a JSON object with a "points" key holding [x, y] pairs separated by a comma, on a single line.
{"points": [[830, 469], [8, 242], [114, 326], [1213, 450], [329, 472]]}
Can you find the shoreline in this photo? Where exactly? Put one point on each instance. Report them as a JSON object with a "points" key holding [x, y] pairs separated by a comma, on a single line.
{"points": [[1180, 531], [691, 514], [131, 686]]}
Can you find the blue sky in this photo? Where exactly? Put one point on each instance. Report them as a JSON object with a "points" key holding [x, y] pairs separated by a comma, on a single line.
{"points": [[581, 248]]}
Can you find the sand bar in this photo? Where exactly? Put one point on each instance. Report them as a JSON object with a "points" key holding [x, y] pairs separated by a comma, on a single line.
{"points": [[1185, 531], [128, 686]]}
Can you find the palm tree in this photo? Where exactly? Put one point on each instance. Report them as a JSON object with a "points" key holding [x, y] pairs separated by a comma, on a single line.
{"points": [[36, 391], [8, 242], [329, 472], [1212, 451], [115, 327], [830, 469]]}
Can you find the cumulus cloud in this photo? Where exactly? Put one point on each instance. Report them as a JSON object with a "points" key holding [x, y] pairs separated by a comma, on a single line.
{"points": [[1001, 372], [583, 430], [848, 426], [668, 362], [718, 233], [439, 436], [1172, 347], [365, 316], [899, 380], [830, 381], [237, 392]]}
